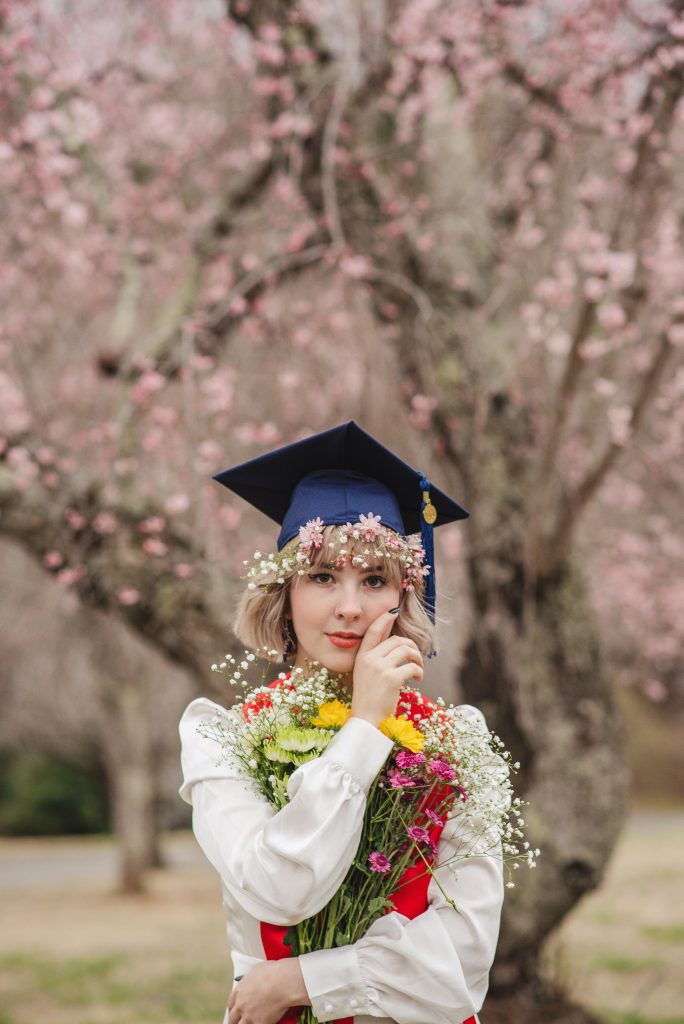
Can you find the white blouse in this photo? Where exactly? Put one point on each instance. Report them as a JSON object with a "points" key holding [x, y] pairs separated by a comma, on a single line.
{"points": [[282, 867]]}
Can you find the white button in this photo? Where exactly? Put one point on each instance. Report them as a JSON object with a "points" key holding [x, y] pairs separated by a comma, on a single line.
{"points": [[328, 1007], [353, 1003]]}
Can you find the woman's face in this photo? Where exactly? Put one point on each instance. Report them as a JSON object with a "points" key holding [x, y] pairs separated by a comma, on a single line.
{"points": [[328, 602]]}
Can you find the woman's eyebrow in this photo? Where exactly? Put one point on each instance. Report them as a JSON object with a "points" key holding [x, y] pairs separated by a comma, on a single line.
{"points": [[374, 568]]}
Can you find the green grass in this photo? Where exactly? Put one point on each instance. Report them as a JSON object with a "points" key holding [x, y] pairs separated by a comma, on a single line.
{"points": [[625, 964], [673, 934], [113, 981], [632, 1017]]}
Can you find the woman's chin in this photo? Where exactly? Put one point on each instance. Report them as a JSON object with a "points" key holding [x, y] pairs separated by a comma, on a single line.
{"points": [[338, 661]]}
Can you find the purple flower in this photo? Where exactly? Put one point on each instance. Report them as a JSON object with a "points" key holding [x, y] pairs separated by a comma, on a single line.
{"points": [[406, 759], [379, 862], [464, 795], [419, 835], [435, 818], [441, 769], [398, 780]]}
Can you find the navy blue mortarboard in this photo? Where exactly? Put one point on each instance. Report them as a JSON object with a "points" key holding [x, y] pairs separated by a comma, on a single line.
{"points": [[338, 475]]}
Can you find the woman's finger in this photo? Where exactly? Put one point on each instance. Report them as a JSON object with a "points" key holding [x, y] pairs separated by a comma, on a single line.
{"points": [[400, 655], [394, 641]]}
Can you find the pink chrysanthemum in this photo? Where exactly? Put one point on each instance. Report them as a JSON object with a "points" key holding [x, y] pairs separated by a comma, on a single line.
{"points": [[441, 769], [379, 862], [407, 759], [398, 780], [434, 818], [419, 835]]}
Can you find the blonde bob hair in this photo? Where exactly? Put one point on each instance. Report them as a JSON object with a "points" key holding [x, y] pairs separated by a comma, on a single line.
{"points": [[262, 620]]}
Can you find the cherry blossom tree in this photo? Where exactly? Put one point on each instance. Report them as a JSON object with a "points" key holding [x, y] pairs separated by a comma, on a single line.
{"points": [[227, 226]]}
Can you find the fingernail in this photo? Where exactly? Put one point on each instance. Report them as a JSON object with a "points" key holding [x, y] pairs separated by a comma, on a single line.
{"points": [[393, 611]]}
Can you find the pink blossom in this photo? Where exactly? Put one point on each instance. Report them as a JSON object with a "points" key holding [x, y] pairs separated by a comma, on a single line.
{"points": [[153, 524], [154, 546], [419, 835], [183, 571], [52, 559], [434, 818], [398, 780], [379, 862], [75, 520], [407, 759], [312, 533], [127, 595], [611, 315], [441, 769], [105, 522], [176, 503], [370, 526]]}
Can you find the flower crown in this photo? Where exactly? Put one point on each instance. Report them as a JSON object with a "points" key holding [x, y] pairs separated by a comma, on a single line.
{"points": [[357, 543]]}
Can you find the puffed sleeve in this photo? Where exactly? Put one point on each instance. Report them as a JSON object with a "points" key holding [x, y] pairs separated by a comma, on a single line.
{"points": [[283, 866], [433, 969]]}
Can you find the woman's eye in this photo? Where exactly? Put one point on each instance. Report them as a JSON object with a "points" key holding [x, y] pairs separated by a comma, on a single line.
{"points": [[376, 582], [320, 577]]}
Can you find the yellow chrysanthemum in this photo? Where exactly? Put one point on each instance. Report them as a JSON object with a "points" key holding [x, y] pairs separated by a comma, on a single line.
{"points": [[403, 732], [331, 714]]}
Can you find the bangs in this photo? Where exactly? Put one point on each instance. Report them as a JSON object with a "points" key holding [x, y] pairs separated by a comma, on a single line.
{"points": [[385, 562]]}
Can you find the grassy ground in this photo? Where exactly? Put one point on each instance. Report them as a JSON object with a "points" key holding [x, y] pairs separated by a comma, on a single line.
{"points": [[621, 951], [72, 952]]}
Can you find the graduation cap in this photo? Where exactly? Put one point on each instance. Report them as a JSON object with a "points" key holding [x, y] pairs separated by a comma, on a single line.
{"points": [[337, 476]]}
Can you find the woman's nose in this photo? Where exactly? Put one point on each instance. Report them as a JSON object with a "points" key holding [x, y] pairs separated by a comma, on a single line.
{"points": [[348, 605]]}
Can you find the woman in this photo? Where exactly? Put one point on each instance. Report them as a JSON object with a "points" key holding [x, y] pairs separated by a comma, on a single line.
{"points": [[367, 623]]}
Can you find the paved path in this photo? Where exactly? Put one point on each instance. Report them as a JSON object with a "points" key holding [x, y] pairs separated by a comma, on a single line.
{"points": [[48, 863]]}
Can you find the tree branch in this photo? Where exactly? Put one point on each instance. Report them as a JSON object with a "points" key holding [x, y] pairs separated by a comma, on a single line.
{"points": [[574, 505]]}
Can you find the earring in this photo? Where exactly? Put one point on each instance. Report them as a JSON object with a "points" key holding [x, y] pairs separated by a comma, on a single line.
{"points": [[289, 643]]}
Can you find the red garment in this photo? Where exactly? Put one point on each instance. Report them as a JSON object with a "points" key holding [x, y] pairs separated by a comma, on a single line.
{"points": [[409, 898]]}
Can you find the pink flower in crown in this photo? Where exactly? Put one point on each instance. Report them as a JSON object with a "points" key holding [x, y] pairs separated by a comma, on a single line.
{"points": [[370, 526], [311, 535]]}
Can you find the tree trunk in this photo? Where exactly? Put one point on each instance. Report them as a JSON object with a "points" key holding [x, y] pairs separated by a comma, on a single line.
{"points": [[534, 667], [132, 786]]}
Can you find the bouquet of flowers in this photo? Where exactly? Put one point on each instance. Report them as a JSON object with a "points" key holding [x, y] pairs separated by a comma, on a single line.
{"points": [[441, 759]]}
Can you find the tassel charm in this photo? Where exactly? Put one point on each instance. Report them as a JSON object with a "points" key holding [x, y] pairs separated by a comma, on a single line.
{"points": [[428, 518]]}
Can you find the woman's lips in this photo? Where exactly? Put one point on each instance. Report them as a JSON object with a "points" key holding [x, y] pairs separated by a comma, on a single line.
{"points": [[343, 641]]}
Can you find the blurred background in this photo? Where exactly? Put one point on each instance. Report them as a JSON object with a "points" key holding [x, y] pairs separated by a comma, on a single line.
{"points": [[229, 225]]}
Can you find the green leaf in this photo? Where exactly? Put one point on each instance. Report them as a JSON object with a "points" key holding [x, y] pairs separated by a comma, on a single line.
{"points": [[291, 939], [377, 905], [341, 939]]}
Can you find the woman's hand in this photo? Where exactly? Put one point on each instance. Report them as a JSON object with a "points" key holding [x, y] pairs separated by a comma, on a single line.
{"points": [[267, 992], [383, 665]]}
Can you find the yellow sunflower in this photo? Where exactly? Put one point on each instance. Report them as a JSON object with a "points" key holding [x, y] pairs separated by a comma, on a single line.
{"points": [[331, 714], [403, 732]]}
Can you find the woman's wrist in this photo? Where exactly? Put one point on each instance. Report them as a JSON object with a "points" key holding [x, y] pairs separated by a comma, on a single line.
{"points": [[292, 981]]}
